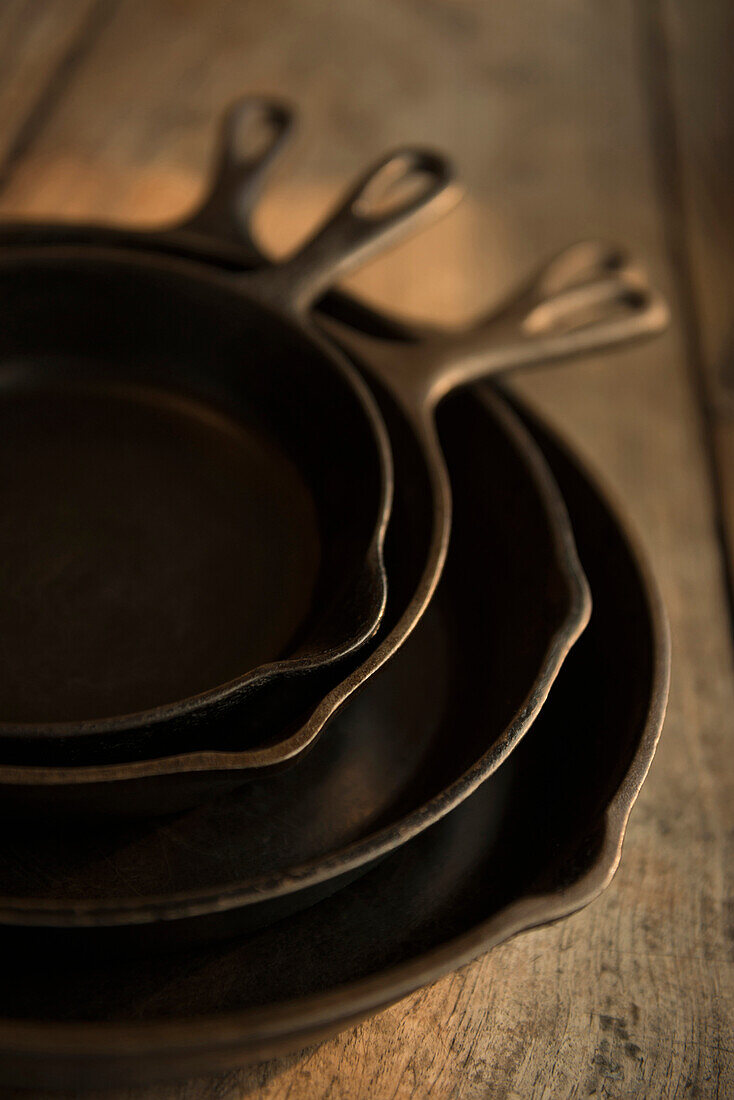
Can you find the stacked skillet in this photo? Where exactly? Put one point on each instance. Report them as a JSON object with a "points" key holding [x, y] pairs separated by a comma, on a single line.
{"points": [[279, 611]]}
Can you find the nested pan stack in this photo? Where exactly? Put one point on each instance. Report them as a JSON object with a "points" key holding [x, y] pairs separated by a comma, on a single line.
{"points": [[251, 510]]}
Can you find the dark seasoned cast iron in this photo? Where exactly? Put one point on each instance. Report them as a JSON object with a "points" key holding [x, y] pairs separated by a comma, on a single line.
{"points": [[616, 316], [476, 674], [200, 486], [537, 841]]}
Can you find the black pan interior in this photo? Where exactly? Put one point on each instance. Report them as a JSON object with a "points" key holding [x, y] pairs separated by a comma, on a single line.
{"points": [[536, 826], [146, 397]]}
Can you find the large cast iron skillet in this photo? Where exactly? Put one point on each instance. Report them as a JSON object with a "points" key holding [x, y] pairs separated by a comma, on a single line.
{"points": [[197, 485], [537, 841], [435, 722]]}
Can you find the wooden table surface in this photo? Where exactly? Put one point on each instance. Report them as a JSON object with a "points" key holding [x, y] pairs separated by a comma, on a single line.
{"points": [[567, 119]]}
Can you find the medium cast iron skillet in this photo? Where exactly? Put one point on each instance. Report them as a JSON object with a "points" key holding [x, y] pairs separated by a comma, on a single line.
{"points": [[208, 771], [435, 722], [198, 484]]}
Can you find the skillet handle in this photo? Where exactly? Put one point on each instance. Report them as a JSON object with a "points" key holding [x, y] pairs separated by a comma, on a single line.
{"points": [[252, 134], [394, 195], [587, 299]]}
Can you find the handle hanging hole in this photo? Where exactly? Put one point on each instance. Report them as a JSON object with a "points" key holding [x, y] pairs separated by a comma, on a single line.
{"points": [[580, 264], [252, 131], [396, 186], [580, 307]]}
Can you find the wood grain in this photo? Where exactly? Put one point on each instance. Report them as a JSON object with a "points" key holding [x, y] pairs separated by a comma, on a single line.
{"points": [[701, 91], [547, 110], [41, 42]]}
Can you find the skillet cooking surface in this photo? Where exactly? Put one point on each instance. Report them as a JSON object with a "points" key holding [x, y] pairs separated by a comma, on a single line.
{"points": [[137, 549], [536, 841]]}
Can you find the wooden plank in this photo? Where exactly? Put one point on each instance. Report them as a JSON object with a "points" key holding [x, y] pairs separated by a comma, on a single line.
{"points": [[701, 83], [544, 108], [41, 41]]}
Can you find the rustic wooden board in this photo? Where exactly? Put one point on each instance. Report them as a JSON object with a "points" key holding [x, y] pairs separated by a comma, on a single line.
{"points": [[41, 43], [699, 74], [548, 110]]}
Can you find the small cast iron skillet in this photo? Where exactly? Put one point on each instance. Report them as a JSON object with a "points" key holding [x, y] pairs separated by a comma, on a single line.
{"points": [[197, 483]]}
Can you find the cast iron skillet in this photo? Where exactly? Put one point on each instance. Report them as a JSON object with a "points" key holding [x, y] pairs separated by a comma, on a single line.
{"points": [[198, 484], [426, 531], [434, 723], [539, 840]]}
